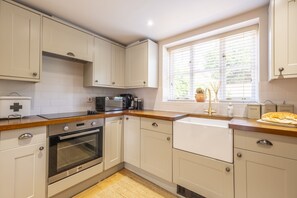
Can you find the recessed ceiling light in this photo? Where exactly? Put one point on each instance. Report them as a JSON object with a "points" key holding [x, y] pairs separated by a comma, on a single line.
{"points": [[150, 23]]}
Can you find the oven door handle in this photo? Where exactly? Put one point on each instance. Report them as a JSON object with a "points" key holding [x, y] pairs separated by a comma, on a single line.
{"points": [[65, 137]]}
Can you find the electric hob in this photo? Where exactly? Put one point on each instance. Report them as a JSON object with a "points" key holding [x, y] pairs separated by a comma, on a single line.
{"points": [[68, 115]]}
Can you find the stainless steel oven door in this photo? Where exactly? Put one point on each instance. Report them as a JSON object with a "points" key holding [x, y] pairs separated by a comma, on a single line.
{"points": [[73, 152]]}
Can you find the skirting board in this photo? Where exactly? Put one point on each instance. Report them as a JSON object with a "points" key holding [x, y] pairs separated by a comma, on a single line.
{"points": [[152, 178]]}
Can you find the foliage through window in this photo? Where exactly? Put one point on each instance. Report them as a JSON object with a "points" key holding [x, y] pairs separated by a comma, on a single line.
{"points": [[228, 61]]}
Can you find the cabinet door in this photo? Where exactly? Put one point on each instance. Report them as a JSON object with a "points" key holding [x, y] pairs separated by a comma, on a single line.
{"points": [[23, 172], [136, 71], [118, 64], [206, 176], [260, 175], [20, 42], [113, 142], [156, 153], [102, 62], [285, 39], [66, 41], [132, 140]]}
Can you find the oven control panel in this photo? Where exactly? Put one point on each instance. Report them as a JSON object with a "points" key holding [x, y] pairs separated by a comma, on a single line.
{"points": [[58, 129]]}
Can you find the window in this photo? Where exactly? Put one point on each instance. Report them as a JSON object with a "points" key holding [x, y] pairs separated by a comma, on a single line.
{"points": [[228, 61]]}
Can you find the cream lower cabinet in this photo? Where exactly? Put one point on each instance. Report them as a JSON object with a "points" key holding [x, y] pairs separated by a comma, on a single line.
{"points": [[113, 142], [19, 43], [205, 176], [156, 153], [265, 165], [23, 163], [64, 40], [132, 140]]}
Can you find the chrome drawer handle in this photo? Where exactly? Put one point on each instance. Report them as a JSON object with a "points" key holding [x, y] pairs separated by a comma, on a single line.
{"points": [[155, 124], [264, 142], [25, 136]]}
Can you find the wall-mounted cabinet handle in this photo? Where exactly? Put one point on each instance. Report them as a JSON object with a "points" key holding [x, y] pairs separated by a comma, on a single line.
{"points": [[228, 169], [144, 82], [155, 124], [264, 142], [41, 148], [35, 74], [168, 138], [70, 54], [239, 155], [96, 81], [25, 136]]}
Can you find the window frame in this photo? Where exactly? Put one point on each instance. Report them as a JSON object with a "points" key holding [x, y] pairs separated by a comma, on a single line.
{"points": [[255, 97]]}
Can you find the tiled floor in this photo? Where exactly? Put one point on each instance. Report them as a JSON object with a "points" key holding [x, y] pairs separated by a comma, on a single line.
{"points": [[125, 184]]}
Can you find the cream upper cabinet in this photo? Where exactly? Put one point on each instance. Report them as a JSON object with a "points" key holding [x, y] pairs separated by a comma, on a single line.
{"points": [[23, 163], [118, 66], [265, 165], [132, 140], [141, 69], [107, 70], [66, 41], [283, 31], [113, 142], [205, 176], [20, 43]]}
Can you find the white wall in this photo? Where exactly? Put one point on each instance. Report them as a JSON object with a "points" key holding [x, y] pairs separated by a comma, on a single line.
{"points": [[60, 89], [277, 91]]}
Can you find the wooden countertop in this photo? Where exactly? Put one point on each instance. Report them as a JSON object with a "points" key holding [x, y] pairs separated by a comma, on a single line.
{"points": [[35, 121], [254, 126], [236, 123]]}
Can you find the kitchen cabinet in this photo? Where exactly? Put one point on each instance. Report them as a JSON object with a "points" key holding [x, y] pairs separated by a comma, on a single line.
{"points": [[132, 140], [205, 176], [23, 163], [113, 142], [283, 40], [107, 70], [20, 43], [141, 69], [61, 39], [156, 147], [265, 165]]}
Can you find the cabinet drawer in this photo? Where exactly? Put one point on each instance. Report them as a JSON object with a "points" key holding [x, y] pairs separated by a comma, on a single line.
{"points": [[156, 125], [13, 138], [260, 142]]}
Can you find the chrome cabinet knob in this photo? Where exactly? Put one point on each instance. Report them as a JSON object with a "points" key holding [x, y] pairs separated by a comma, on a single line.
{"points": [[66, 128], [228, 169], [144, 82], [93, 123], [127, 118], [239, 155], [168, 138], [41, 148], [113, 83], [35, 73], [96, 81], [264, 142]]}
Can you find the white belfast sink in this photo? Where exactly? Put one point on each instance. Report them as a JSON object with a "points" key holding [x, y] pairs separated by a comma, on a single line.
{"points": [[207, 137]]}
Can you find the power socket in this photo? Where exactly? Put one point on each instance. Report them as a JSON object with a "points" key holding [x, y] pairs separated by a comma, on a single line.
{"points": [[89, 100]]}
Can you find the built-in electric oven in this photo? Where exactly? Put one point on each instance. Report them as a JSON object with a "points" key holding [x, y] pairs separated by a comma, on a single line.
{"points": [[74, 147]]}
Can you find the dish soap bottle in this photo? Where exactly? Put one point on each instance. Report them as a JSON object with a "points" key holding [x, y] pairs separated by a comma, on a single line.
{"points": [[230, 110]]}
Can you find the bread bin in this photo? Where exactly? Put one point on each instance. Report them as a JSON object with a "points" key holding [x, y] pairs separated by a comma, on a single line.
{"points": [[14, 106]]}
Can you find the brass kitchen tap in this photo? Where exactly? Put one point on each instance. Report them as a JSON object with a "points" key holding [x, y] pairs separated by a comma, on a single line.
{"points": [[209, 111]]}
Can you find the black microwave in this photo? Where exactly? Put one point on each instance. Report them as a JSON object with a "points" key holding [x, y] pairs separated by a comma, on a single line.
{"points": [[105, 104]]}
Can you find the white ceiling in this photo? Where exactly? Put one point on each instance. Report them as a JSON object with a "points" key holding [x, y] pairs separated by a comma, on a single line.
{"points": [[125, 21]]}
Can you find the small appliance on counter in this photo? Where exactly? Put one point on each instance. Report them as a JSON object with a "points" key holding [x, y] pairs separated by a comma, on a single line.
{"points": [[127, 101], [14, 106], [106, 103]]}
